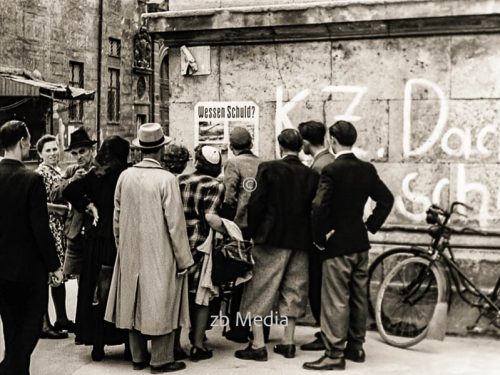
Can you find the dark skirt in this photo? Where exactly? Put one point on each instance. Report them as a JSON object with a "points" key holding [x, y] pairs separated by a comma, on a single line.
{"points": [[93, 291]]}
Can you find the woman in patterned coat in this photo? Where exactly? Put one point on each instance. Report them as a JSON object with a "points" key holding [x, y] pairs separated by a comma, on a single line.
{"points": [[48, 150]]}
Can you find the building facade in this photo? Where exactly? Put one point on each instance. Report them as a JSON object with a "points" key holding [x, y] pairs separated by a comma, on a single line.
{"points": [[94, 44], [418, 78]]}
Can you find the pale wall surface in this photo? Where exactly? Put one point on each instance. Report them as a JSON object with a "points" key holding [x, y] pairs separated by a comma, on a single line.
{"points": [[455, 79]]}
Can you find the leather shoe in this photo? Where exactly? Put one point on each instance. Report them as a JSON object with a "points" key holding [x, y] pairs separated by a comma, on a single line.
{"points": [[287, 351], [326, 363], [317, 344], [355, 355], [199, 354], [168, 367], [68, 326], [97, 354], [51, 333], [250, 353]]}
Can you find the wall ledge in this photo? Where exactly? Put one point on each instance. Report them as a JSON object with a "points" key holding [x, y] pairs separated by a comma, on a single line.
{"points": [[324, 20]]}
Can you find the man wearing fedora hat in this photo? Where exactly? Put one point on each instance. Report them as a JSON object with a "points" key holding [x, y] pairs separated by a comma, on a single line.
{"points": [[148, 294], [341, 236], [81, 148]]}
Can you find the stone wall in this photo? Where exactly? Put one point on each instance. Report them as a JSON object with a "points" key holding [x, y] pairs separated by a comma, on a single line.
{"points": [[426, 110], [46, 35]]}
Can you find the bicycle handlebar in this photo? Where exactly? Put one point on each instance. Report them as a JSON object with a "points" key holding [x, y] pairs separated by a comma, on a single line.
{"points": [[447, 213], [457, 203]]}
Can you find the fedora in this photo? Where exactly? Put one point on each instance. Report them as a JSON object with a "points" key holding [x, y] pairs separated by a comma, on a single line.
{"points": [[80, 138], [150, 135]]}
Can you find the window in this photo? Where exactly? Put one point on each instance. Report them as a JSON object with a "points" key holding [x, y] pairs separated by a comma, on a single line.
{"points": [[115, 47], [114, 95], [76, 80]]}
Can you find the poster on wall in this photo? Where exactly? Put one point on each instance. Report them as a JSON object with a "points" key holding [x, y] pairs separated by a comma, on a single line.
{"points": [[213, 122]]}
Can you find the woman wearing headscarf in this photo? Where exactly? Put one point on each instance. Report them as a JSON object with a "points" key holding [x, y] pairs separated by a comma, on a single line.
{"points": [[94, 193], [202, 194]]}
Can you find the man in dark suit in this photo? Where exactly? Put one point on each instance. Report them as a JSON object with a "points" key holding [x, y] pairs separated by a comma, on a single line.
{"points": [[279, 223], [313, 133], [27, 251], [340, 233], [81, 148]]}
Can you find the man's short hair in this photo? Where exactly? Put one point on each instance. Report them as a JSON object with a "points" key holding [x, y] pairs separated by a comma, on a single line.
{"points": [[150, 151], [313, 131], [11, 133], [240, 138], [344, 132], [290, 139], [45, 139]]}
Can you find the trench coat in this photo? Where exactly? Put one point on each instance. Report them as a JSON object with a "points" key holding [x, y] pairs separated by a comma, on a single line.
{"points": [[150, 232]]}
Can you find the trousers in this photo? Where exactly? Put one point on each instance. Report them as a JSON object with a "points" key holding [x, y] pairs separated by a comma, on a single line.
{"points": [[344, 300], [22, 306], [162, 348], [315, 280]]}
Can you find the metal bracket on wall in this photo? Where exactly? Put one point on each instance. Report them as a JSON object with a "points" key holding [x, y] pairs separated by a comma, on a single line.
{"points": [[195, 61]]}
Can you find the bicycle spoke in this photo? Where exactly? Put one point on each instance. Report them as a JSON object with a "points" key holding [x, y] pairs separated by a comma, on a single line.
{"points": [[407, 300]]}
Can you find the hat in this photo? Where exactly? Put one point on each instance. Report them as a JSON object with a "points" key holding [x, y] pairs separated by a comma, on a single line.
{"points": [[113, 147], [240, 138], [80, 138], [150, 135], [211, 154], [344, 132]]}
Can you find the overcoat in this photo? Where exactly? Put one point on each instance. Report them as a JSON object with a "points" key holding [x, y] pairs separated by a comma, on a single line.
{"points": [[150, 231]]}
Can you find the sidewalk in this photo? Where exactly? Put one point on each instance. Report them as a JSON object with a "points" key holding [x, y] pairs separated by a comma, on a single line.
{"points": [[454, 356]]}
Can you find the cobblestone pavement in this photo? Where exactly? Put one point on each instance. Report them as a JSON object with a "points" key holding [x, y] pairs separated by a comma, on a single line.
{"points": [[455, 355]]}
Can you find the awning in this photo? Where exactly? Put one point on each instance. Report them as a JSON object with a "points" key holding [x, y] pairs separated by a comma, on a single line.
{"points": [[21, 83]]}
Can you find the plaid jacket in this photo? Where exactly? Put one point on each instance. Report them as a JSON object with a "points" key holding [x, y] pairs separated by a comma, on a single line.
{"points": [[201, 194]]}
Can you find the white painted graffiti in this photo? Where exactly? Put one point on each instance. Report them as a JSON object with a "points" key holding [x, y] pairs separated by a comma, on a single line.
{"points": [[465, 148], [454, 142], [282, 121]]}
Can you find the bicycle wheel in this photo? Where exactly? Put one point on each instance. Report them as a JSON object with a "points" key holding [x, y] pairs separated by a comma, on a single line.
{"points": [[407, 300], [380, 268]]}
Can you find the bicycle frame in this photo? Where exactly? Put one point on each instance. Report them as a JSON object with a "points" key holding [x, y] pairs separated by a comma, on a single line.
{"points": [[438, 249]]}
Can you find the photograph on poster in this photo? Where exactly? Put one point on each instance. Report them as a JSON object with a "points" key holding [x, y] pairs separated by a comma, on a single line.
{"points": [[211, 131]]}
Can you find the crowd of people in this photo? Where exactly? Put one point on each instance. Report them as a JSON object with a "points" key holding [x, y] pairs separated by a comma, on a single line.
{"points": [[140, 241]]}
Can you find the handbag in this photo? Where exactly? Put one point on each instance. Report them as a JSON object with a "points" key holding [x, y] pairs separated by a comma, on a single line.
{"points": [[231, 259], [103, 285]]}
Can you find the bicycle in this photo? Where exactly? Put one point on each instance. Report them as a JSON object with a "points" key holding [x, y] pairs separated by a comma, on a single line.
{"points": [[412, 284]]}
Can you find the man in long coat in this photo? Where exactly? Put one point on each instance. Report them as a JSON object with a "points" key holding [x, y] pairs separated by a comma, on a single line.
{"points": [[149, 295]]}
